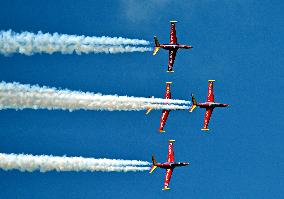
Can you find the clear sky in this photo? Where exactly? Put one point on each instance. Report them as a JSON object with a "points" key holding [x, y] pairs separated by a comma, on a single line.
{"points": [[238, 43]]}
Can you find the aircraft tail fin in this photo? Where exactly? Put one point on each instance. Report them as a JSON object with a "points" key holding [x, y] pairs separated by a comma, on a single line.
{"points": [[157, 45], [154, 165], [194, 103]]}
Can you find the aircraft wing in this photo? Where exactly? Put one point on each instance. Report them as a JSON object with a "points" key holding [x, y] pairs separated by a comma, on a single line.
{"points": [[164, 117], [168, 178], [172, 56], [168, 90], [171, 156], [207, 117], [173, 37], [210, 96], [165, 113]]}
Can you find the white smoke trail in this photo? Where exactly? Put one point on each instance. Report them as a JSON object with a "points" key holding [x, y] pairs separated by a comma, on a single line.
{"points": [[29, 43], [44, 163], [19, 96]]}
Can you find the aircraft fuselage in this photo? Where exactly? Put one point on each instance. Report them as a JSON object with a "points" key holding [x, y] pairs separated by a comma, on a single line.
{"points": [[211, 105], [167, 165], [174, 46]]}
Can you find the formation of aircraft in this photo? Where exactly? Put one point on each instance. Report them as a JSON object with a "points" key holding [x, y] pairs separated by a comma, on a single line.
{"points": [[209, 105], [169, 165], [172, 47]]}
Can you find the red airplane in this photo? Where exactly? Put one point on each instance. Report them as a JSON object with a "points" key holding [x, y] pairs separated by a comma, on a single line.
{"points": [[169, 165], [172, 47], [209, 105], [165, 112]]}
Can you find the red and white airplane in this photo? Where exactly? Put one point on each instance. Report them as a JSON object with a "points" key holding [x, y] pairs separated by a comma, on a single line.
{"points": [[172, 47], [165, 112], [209, 105], [169, 165]]}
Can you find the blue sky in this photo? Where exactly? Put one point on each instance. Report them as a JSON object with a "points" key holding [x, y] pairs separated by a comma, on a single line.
{"points": [[238, 43]]}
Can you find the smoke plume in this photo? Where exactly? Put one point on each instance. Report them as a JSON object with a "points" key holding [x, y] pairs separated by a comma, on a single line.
{"points": [[29, 43], [44, 163], [20, 96]]}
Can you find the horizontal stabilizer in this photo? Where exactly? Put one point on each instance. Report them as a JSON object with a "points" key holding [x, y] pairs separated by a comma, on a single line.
{"points": [[166, 189], [156, 50], [169, 82], [153, 168], [162, 131], [204, 129], [170, 71], [148, 110], [192, 108], [211, 80], [173, 21], [171, 140]]}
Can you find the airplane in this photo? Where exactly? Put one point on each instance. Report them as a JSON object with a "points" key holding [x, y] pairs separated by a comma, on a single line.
{"points": [[172, 47], [210, 104], [169, 165], [165, 112]]}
